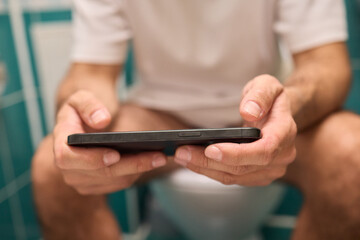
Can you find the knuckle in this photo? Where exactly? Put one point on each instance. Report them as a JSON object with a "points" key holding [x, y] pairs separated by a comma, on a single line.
{"points": [[227, 179], [264, 183], [292, 156], [141, 165], [293, 127], [68, 180], [59, 156], [81, 94], [205, 162], [269, 79], [239, 155], [83, 191], [240, 170], [270, 150], [266, 160], [194, 168], [280, 173], [272, 79], [261, 95], [276, 173], [109, 172], [82, 100]]}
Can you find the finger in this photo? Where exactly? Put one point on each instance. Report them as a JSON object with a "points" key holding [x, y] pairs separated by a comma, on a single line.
{"points": [[259, 178], [278, 134], [67, 157], [260, 152], [90, 109], [263, 152], [68, 122], [195, 155], [137, 163], [259, 97]]}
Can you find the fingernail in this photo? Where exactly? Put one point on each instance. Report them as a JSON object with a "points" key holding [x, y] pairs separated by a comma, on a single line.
{"points": [[98, 116], [159, 161], [213, 153], [183, 154], [252, 108], [181, 162], [111, 157]]}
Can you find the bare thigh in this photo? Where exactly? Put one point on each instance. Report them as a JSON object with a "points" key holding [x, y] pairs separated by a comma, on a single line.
{"points": [[327, 151]]}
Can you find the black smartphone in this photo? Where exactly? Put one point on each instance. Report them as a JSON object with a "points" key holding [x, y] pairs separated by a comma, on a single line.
{"points": [[164, 140]]}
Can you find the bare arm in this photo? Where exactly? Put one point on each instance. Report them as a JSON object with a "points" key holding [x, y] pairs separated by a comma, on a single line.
{"points": [[317, 87], [319, 83]]}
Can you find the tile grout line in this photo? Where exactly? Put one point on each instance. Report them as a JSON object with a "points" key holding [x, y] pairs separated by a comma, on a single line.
{"points": [[32, 107], [11, 99], [14, 186], [9, 175], [26, 76]]}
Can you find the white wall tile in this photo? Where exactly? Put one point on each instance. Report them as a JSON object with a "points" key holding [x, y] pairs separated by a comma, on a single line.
{"points": [[52, 46]]}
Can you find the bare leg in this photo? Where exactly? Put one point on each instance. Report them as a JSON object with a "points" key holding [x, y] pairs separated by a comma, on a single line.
{"points": [[327, 171], [65, 214]]}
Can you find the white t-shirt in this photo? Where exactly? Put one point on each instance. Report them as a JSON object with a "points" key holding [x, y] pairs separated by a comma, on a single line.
{"points": [[193, 57]]}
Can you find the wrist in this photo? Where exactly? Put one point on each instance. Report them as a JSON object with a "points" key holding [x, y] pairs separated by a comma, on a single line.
{"points": [[299, 99]]}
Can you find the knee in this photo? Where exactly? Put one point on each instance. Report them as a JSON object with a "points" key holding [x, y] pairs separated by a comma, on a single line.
{"points": [[336, 175], [343, 130], [336, 137]]}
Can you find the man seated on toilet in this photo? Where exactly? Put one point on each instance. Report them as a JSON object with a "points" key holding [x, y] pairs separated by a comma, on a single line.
{"points": [[206, 64]]}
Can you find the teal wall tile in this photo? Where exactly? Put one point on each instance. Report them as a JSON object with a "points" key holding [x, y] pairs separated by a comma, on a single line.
{"points": [[8, 55], [353, 18], [2, 179], [118, 205], [18, 135], [353, 101], [6, 225], [29, 215]]}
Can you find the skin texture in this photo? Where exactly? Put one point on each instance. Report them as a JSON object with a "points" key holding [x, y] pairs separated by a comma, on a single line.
{"points": [[73, 209], [301, 104], [278, 111]]}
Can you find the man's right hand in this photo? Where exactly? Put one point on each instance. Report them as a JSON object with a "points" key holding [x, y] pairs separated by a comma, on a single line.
{"points": [[95, 170]]}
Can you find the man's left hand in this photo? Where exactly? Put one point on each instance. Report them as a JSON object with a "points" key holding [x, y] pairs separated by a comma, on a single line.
{"points": [[264, 105]]}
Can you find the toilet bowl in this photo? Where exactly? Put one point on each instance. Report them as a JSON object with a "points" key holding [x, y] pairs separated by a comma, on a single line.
{"points": [[206, 209]]}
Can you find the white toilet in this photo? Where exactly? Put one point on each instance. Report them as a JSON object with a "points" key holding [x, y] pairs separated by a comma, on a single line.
{"points": [[206, 209]]}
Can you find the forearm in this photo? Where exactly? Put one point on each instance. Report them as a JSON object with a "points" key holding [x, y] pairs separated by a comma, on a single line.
{"points": [[98, 79], [319, 83]]}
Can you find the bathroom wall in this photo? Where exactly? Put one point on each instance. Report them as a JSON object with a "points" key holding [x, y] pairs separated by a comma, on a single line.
{"points": [[35, 42]]}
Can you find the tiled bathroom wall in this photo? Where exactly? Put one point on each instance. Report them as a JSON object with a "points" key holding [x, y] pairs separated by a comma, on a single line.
{"points": [[35, 42]]}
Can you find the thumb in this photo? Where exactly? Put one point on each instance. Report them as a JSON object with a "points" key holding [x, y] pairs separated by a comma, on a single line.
{"points": [[258, 97], [90, 109]]}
